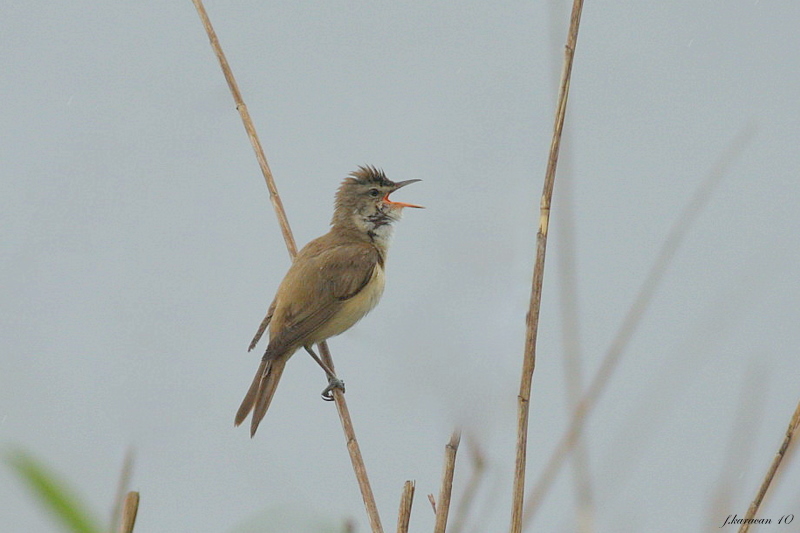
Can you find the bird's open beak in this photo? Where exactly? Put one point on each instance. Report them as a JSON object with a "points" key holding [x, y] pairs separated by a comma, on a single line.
{"points": [[401, 204]]}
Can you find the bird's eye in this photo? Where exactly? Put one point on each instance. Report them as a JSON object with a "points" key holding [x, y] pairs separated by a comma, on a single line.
{"points": [[374, 193]]}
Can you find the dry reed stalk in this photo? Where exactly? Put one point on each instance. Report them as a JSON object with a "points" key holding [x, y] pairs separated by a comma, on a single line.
{"points": [[356, 459], [129, 510], [344, 414], [788, 455], [404, 514], [529, 360], [776, 462], [677, 233], [446, 491], [465, 503], [277, 204]]}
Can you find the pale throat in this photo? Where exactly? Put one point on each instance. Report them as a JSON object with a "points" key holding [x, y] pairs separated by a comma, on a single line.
{"points": [[378, 226]]}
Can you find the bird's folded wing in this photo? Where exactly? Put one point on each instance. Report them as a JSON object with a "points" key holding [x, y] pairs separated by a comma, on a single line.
{"points": [[324, 281], [263, 326]]}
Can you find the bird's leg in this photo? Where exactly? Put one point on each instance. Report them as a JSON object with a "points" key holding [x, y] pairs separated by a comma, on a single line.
{"points": [[328, 371], [333, 381]]}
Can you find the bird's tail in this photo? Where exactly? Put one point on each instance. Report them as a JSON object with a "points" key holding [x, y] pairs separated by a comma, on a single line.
{"points": [[261, 391]]}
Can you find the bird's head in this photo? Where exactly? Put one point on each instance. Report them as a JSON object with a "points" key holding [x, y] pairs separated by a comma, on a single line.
{"points": [[363, 200]]}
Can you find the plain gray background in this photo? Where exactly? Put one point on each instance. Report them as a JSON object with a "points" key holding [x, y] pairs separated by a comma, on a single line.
{"points": [[139, 252]]}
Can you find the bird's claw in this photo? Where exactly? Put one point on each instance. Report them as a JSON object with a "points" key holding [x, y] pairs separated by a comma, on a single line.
{"points": [[333, 383]]}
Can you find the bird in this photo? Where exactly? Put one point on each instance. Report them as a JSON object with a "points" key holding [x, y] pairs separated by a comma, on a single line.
{"points": [[333, 282]]}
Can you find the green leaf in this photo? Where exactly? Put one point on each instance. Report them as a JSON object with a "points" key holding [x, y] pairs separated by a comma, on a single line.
{"points": [[52, 493]]}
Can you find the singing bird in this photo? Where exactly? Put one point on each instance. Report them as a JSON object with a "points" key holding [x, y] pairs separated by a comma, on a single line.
{"points": [[333, 282]]}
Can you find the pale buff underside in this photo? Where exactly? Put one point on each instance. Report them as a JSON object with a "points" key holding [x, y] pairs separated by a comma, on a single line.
{"points": [[354, 309]]}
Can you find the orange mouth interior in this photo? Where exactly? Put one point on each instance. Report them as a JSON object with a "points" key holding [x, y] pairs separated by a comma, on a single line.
{"points": [[400, 204]]}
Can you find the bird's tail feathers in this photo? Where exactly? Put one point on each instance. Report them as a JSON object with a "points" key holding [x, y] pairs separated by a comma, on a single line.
{"points": [[266, 391], [250, 397], [259, 396]]}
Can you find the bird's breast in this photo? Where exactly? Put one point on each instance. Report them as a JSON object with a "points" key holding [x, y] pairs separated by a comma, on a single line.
{"points": [[371, 294], [356, 307]]}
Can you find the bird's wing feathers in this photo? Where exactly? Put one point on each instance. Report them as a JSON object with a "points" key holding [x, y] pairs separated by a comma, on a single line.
{"points": [[350, 270], [325, 281], [264, 324], [295, 334]]}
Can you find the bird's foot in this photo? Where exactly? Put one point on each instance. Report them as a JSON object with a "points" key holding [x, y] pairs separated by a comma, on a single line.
{"points": [[333, 383]]}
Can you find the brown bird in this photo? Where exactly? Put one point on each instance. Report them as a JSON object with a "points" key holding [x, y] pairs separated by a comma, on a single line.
{"points": [[333, 282]]}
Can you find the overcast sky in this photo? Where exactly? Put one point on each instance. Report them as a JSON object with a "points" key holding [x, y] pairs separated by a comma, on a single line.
{"points": [[139, 252]]}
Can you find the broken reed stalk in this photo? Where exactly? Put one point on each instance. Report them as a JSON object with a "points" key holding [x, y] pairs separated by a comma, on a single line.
{"points": [[344, 414], [630, 323], [404, 514], [532, 322], [129, 510], [446, 491], [776, 462]]}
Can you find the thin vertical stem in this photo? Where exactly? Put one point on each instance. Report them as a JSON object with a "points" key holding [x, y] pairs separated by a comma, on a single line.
{"points": [[404, 514], [532, 322], [356, 459], [773, 467], [277, 204], [344, 414], [446, 491], [630, 323]]}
